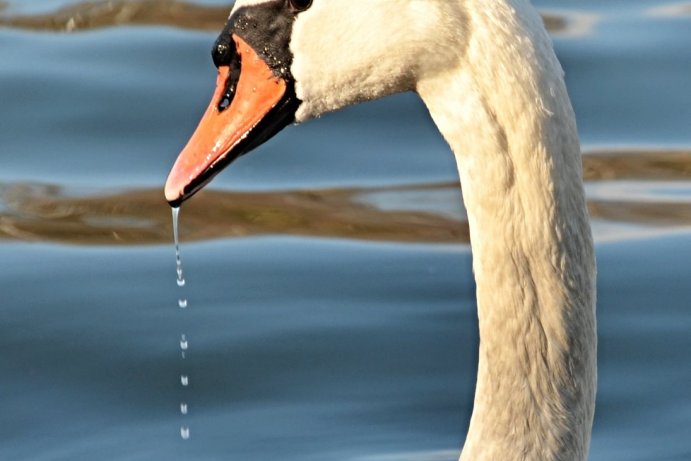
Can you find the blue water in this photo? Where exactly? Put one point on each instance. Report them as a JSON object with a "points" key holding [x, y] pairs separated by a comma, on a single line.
{"points": [[314, 335]]}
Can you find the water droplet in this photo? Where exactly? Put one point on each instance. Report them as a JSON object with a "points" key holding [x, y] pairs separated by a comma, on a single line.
{"points": [[178, 260], [182, 303]]}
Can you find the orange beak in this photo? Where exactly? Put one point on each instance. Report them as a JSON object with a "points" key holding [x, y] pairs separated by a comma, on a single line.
{"points": [[234, 123]]}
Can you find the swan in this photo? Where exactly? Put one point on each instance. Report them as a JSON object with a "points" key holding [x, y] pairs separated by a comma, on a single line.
{"points": [[487, 72]]}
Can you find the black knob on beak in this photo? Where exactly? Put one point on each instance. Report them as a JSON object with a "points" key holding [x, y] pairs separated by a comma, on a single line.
{"points": [[223, 51]]}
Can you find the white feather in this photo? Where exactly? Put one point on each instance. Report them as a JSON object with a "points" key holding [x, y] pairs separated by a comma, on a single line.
{"points": [[487, 72]]}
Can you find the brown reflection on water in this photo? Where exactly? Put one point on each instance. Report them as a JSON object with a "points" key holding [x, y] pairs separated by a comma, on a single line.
{"points": [[99, 14], [642, 166], [93, 14], [30, 212], [45, 213], [649, 165], [569, 23]]}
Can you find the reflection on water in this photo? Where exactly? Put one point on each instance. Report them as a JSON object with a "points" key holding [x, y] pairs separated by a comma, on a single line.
{"points": [[108, 13], [38, 212], [569, 23], [624, 187], [662, 165], [673, 10], [99, 14]]}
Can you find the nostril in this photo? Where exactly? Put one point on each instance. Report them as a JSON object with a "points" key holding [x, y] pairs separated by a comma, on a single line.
{"points": [[231, 84], [225, 102]]}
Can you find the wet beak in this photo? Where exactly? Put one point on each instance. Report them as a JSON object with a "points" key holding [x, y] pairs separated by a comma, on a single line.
{"points": [[257, 106]]}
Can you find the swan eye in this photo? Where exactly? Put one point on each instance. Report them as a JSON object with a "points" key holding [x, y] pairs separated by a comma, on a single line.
{"points": [[300, 5]]}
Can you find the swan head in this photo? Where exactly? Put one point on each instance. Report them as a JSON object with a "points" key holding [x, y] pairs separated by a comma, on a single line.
{"points": [[287, 61]]}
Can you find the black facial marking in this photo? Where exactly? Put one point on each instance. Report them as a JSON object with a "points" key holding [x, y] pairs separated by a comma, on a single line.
{"points": [[267, 28]]}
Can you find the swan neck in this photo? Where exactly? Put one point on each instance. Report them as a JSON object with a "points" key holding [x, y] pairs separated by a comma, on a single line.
{"points": [[519, 163]]}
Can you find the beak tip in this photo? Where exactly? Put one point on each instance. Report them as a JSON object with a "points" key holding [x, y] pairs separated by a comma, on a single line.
{"points": [[173, 194]]}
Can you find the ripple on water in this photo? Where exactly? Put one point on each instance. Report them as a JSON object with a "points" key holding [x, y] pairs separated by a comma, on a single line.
{"points": [[626, 188]]}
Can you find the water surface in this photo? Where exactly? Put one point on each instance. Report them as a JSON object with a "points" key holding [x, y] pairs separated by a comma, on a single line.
{"points": [[329, 275]]}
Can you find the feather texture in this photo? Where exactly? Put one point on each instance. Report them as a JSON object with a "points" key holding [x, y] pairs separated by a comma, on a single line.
{"points": [[488, 74]]}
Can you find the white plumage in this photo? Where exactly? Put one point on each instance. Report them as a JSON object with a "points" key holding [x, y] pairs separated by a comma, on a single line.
{"points": [[487, 72]]}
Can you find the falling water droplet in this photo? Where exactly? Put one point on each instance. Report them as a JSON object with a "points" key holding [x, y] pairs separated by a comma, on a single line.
{"points": [[178, 260], [182, 304]]}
